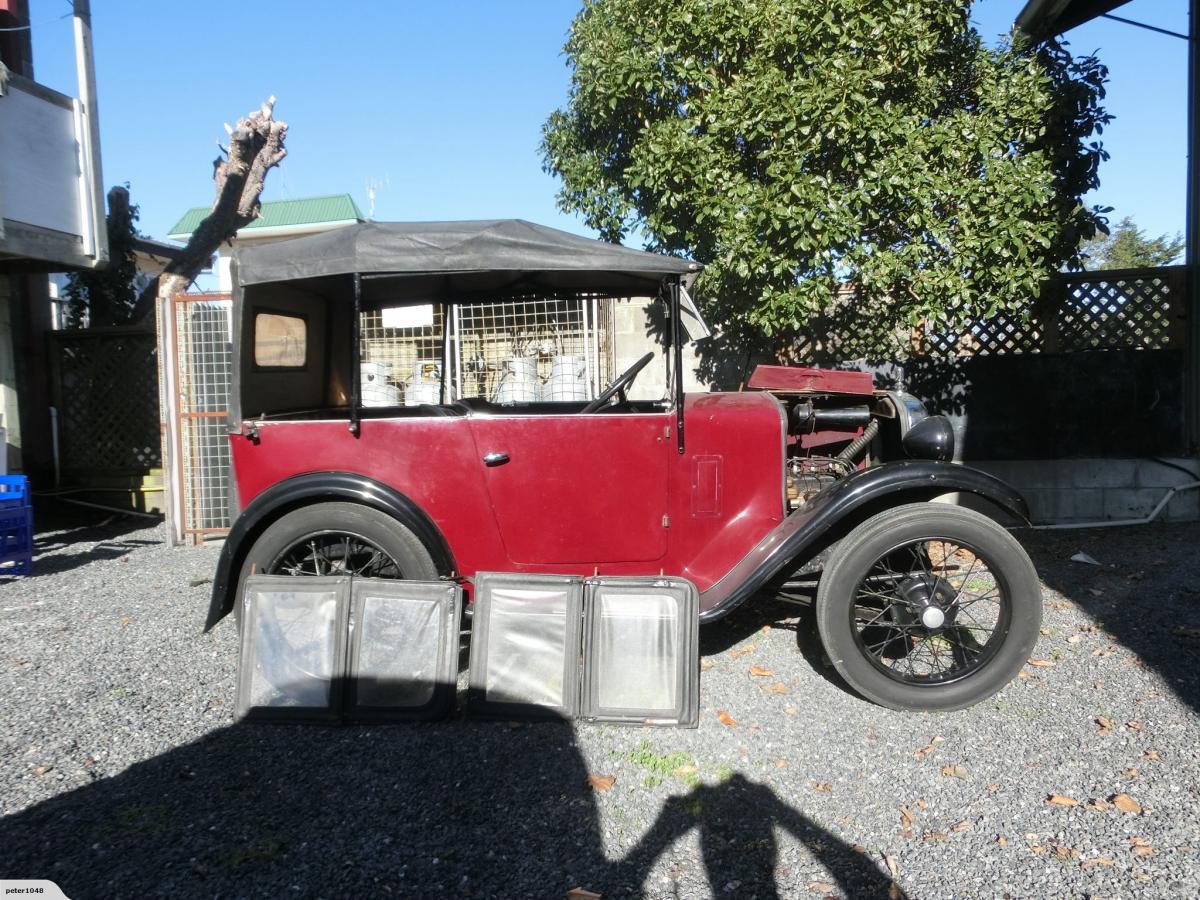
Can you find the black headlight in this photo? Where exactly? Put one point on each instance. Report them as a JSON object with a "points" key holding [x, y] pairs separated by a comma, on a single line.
{"points": [[931, 438]]}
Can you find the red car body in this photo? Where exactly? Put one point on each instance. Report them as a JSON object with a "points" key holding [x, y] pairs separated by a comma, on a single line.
{"points": [[579, 493]]}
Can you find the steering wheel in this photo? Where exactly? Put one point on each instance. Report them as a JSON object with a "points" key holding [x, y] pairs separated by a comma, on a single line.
{"points": [[619, 385]]}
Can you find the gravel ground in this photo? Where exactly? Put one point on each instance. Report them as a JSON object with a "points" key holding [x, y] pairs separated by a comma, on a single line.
{"points": [[123, 773]]}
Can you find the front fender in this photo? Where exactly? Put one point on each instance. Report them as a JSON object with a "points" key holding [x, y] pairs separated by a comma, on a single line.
{"points": [[891, 484], [316, 487]]}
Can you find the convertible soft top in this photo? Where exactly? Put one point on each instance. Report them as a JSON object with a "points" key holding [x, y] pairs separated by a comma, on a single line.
{"points": [[453, 260]]}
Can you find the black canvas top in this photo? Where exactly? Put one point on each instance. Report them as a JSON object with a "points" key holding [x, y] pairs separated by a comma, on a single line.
{"points": [[440, 259]]}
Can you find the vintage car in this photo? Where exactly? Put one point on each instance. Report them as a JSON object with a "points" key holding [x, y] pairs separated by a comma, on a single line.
{"points": [[806, 476]]}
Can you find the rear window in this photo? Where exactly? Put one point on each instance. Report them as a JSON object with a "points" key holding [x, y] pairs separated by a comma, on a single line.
{"points": [[280, 341]]}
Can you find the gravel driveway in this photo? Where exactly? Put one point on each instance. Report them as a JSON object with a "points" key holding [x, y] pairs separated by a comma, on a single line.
{"points": [[124, 775]]}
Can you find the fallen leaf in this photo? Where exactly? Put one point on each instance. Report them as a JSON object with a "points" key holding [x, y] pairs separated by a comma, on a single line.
{"points": [[1030, 836], [686, 770], [1097, 805], [1151, 755], [706, 664], [1074, 639], [1042, 663], [955, 772], [760, 672], [962, 826], [1136, 726], [859, 848], [993, 787], [1105, 651], [1095, 861], [922, 804], [742, 651], [42, 770], [893, 867], [601, 782], [726, 719], [1140, 846], [820, 887], [1130, 773], [781, 763], [1106, 725], [1066, 852], [1037, 849], [821, 787], [1002, 841], [790, 710], [1060, 800], [1045, 632], [1125, 803], [1022, 674], [578, 893], [1141, 875], [125, 620], [777, 688], [907, 819], [934, 836]]}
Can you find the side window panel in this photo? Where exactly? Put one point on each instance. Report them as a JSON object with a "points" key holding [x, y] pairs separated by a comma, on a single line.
{"points": [[280, 341]]}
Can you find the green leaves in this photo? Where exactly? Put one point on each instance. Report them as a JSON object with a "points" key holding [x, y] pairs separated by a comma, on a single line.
{"points": [[868, 159]]}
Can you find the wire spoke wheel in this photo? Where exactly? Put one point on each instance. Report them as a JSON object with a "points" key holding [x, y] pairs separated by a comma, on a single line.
{"points": [[928, 606], [335, 553], [930, 612]]}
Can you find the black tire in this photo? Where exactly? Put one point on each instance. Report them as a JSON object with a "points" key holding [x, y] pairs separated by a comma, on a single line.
{"points": [[407, 556], [869, 571]]}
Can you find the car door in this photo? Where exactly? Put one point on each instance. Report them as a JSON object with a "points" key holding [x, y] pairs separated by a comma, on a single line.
{"points": [[587, 489]]}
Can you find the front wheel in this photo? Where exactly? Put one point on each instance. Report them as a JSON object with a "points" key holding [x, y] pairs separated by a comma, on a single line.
{"points": [[929, 607]]}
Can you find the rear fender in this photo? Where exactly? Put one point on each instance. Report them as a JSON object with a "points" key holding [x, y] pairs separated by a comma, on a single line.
{"points": [[302, 490], [831, 514]]}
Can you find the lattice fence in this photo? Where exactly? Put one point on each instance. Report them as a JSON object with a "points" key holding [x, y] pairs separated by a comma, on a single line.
{"points": [[1126, 309], [105, 388]]}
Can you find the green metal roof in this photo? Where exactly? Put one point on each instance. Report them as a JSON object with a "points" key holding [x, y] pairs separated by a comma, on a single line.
{"points": [[282, 213]]}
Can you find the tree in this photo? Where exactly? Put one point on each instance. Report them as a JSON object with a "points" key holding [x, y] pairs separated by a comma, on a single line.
{"points": [[108, 296], [239, 172], [1127, 247], [806, 149]]}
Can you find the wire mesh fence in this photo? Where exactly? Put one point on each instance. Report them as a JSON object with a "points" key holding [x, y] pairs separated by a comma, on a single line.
{"points": [[203, 379], [518, 350]]}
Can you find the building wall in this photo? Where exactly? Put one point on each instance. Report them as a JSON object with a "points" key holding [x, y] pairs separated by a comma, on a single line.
{"points": [[633, 335], [9, 409]]}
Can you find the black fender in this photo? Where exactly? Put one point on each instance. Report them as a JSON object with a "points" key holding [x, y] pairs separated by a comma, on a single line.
{"points": [[302, 490], [841, 506]]}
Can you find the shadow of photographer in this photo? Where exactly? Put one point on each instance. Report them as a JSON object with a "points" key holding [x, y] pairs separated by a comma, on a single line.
{"points": [[460, 808]]}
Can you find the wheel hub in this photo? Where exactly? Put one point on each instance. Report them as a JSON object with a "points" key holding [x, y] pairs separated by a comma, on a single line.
{"points": [[930, 599]]}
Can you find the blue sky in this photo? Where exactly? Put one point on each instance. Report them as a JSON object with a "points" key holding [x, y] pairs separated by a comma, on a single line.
{"points": [[441, 104]]}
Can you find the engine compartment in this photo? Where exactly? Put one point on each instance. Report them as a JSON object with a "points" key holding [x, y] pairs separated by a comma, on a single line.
{"points": [[837, 424]]}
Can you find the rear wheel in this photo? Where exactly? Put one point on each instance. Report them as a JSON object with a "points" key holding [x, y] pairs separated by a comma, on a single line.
{"points": [[929, 606], [336, 539]]}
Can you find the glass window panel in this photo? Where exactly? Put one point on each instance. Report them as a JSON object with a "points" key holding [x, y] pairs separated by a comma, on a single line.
{"points": [[638, 651], [398, 657], [280, 341], [294, 641], [526, 646]]}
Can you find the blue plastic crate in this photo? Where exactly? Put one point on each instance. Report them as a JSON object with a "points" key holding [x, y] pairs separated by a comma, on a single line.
{"points": [[16, 526], [14, 490]]}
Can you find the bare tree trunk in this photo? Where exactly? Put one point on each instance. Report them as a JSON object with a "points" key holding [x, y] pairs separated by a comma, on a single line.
{"points": [[255, 147]]}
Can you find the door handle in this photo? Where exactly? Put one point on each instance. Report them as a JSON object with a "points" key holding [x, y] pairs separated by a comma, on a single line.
{"points": [[495, 459]]}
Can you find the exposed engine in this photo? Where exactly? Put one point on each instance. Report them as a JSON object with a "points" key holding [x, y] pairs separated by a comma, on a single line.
{"points": [[838, 423]]}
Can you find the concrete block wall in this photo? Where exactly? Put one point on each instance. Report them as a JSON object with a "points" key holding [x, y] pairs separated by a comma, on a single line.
{"points": [[1098, 490], [632, 338]]}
